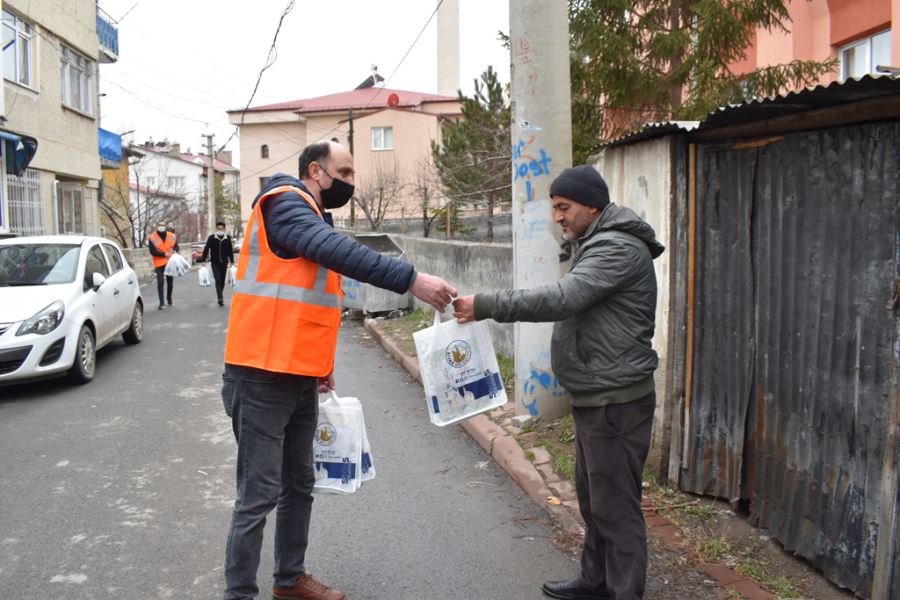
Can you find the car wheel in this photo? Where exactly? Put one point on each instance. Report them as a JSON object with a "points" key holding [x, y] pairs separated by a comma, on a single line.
{"points": [[135, 331], [85, 357]]}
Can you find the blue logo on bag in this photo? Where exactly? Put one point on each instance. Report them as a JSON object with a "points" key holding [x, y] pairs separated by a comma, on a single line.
{"points": [[458, 353], [326, 434]]}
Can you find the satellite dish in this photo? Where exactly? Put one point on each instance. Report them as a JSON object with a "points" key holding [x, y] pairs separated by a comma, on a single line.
{"points": [[393, 100]]}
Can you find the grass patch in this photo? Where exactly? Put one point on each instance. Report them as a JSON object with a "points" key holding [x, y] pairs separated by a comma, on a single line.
{"points": [[779, 586], [507, 374], [699, 512], [529, 455], [400, 330], [713, 549], [565, 466]]}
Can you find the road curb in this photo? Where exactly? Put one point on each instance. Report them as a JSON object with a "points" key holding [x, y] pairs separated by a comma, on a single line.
{"points": [[509, 455]]}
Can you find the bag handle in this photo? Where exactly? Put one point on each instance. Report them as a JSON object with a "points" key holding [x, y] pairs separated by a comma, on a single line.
{"points": [[437, 318]]}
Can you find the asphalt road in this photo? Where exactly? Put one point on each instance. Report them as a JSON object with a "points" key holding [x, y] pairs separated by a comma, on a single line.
{"points": [[122, 488]]}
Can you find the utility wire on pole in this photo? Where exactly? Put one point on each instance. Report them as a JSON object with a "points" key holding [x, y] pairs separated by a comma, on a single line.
{"points": [[350, 143], [210, 186]]}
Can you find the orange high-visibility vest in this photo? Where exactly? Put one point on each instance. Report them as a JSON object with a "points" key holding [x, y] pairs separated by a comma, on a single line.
{"points": [[162, 245], [285, 313]]}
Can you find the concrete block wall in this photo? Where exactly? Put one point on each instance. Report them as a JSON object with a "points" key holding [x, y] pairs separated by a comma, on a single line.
{"points": [[472, 267]]}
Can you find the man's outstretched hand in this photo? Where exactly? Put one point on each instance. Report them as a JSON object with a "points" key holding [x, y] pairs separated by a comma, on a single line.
{"points": [[432, 290], [464, 309]]}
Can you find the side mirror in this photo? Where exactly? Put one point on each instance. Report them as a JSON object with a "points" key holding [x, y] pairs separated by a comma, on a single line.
{"points": [[97, 280]]}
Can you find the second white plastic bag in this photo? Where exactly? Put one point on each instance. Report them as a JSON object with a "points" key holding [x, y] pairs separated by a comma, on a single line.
{"points": [[341, 452], [203, 276], [177, 266]]}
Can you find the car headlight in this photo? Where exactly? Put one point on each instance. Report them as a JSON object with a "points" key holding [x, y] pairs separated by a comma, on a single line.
{"points": [[44, 321]]}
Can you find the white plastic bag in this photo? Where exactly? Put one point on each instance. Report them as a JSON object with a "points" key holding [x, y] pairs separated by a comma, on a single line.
{"points": [[203, 276], [232, 275], [177, 266], [341, 452], [459, 370]]}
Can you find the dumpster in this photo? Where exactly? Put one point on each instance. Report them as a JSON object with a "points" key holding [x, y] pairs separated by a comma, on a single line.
{"points": [[368, 298]]}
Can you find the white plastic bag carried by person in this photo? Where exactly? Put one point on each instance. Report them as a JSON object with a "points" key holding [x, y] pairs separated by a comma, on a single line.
{"points": [[203, 276], [341, 453], [459, 370], [177, 266], [232, 275]]}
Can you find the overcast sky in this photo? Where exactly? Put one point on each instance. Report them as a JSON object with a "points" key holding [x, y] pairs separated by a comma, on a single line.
{"points": [[183, 63]]}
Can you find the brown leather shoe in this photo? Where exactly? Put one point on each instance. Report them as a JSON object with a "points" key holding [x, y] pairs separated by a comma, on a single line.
{"points": [[307, 587]]}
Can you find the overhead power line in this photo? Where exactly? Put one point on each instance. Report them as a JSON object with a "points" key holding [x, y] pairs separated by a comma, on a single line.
{"points": [[270, 60], [367, 105]]}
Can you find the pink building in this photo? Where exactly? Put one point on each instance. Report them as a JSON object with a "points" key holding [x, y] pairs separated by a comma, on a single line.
{"points": [[856, 32]]}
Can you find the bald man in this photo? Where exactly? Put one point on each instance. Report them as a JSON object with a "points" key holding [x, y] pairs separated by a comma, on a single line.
{"points": [[274, 408]]}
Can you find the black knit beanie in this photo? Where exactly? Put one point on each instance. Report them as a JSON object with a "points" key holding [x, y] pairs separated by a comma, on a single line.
{"points": [[583, 184]]}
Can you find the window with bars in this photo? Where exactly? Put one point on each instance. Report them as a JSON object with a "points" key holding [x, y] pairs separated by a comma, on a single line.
{"points": [[24, 205], [77, 73], [17, 49]]}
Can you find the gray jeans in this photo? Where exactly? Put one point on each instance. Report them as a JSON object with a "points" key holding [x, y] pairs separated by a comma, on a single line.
{"points": [[611, 447], [274, 418]]}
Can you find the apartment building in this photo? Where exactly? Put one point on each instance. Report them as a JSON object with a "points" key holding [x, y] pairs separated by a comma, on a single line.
{"points": [[166, 183], [50, 115], [858, 33], [392, 134]]}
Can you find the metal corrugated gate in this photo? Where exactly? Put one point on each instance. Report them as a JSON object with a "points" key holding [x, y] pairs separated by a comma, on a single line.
{"points": [[794, 354]]}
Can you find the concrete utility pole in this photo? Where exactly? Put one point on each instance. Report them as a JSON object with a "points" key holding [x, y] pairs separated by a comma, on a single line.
{"points": [[541, 149], [210, 185]]}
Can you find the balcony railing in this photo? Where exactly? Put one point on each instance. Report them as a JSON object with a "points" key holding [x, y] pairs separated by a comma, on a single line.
{"points": [[109, 39]]}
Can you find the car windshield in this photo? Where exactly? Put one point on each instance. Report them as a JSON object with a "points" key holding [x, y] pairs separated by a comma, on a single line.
{"points": [[38, 264]]}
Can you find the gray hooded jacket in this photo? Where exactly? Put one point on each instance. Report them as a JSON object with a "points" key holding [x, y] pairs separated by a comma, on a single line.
{"points": [[604, 311]]}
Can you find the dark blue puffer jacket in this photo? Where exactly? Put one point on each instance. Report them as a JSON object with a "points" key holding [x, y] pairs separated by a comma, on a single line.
{"points": [[294, 229]]}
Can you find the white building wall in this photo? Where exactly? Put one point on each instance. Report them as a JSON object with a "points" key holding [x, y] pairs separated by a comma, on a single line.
{"points": [[639, 176]]}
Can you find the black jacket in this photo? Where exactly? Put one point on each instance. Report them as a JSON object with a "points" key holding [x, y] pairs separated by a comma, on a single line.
{"points": [[219, 250], [153, 249], [604, 311], [294, 229]]}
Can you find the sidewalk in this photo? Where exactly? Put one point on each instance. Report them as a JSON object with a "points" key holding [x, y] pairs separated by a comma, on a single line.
{"points": [[682, 562]]}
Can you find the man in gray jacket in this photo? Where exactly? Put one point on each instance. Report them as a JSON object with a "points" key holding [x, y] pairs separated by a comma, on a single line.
{"points": [[604, 312]]}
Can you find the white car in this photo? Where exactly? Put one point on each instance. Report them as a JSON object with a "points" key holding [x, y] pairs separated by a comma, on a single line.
{"points": [[61, 299]]}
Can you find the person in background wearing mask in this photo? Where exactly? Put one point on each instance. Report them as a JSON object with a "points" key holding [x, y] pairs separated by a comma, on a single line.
{"points": [[279, 355], [162, 244], [220, 253]]}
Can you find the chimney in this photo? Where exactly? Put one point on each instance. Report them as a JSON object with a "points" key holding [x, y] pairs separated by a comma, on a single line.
{"points": [[224, 156], [175, 149], [448, 48]]}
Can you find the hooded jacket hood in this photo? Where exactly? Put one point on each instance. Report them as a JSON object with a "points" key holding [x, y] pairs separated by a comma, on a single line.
{"points": [[620, 218]]}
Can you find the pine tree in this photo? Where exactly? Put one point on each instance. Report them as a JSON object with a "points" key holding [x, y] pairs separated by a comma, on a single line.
{"points": [[474, 156], [635, 61]]}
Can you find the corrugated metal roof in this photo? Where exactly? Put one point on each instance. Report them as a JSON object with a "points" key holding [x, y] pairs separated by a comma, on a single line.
{"points": [[811, 98]]}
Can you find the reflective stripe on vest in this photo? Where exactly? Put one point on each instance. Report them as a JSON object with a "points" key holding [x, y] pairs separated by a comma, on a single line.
{"points": [[286, 312], [317, 296]]}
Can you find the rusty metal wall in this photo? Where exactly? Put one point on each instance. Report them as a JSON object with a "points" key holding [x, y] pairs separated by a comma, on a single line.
{"points": [[796, 259]]}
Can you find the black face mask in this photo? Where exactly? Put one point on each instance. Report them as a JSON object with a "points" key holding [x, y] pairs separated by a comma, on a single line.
{"points": [[337, 195]]}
